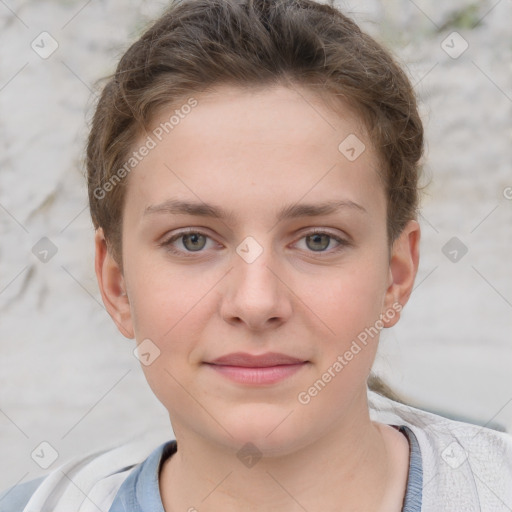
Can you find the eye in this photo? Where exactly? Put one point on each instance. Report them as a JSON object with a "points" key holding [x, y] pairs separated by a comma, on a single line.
{"points": [[319, 241], [191, 241]]}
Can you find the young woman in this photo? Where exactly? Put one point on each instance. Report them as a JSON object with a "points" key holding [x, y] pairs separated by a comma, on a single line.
{"points": [[253, 181]]}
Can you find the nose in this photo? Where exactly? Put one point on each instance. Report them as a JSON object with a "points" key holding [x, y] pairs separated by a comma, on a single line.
{"points": [[255, 293]]}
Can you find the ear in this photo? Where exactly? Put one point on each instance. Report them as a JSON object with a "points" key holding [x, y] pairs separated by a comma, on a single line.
{"points": [[112, 286], [403, 265]]}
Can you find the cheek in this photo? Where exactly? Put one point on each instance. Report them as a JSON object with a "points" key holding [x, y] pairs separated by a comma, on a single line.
{"points": [[354, 297], [173, 307], [350, 305], [160, 294]]}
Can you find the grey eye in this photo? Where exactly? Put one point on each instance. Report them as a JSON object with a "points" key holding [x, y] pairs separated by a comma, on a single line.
{"points": [[194, 241], [320, 241]]}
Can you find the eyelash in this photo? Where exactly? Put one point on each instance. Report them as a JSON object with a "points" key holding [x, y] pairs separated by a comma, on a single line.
{"points": [[167, 244]]}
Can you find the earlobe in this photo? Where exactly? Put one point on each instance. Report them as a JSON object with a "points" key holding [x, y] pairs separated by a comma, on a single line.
{"points": [[403, 266], [112, 286]]}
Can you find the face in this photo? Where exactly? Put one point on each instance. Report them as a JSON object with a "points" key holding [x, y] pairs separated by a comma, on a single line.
{"points": [[282, 249]]}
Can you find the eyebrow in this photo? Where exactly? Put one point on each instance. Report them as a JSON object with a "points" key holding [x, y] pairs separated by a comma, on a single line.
{"points": [[176, 207]]}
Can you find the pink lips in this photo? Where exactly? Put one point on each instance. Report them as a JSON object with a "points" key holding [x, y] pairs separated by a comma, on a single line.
{"points": [[260, 369]]}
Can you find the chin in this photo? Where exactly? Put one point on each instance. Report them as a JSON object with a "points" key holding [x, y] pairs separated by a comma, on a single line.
{"points": [[271, 428]]}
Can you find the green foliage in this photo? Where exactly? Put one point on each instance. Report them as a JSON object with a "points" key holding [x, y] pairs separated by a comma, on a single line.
{"points": [[465, 18]]}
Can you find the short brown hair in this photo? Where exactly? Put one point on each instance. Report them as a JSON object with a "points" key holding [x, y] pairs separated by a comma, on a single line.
{"points": [[198, 44]]}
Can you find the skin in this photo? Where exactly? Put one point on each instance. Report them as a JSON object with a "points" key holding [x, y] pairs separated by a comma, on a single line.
{"points": [[252, 152]]}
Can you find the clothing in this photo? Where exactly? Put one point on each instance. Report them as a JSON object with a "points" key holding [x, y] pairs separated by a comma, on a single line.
{"points": [[466, 468], [140, 490], [454, 466]]}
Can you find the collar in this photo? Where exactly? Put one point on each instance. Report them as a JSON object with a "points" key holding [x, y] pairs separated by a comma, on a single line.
{"points": [[141, 492]]}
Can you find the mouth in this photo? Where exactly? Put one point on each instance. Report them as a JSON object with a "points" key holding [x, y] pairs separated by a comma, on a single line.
{"points": [[256, 360], [263, 369]]}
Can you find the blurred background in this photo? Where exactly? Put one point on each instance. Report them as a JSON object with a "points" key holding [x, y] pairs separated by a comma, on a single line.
{"points": [[68, 378]]}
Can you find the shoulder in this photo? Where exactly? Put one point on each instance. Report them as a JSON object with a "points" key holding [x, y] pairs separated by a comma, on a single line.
{"points": [[465, 466], [15, 498], [439, 429], [93, 479]]}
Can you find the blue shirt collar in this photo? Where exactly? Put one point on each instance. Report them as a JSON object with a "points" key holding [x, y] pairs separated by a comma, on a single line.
{"points": [[140, 492]]}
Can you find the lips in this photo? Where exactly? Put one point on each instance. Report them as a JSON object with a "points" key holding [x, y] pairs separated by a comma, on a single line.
{"points": [[269, 359], [256, 370]]}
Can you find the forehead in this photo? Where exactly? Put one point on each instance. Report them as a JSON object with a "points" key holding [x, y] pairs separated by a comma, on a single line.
{"points": [[261, 114], [244, 146]]}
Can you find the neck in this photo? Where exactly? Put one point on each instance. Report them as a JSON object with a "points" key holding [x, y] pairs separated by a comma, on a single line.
{"points": [[348, 468]]}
